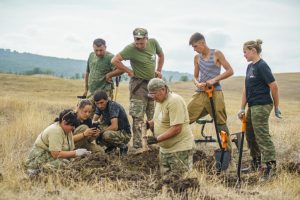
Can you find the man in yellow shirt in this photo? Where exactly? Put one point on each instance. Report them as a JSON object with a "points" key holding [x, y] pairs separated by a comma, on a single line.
{"points": [[171, 128]]}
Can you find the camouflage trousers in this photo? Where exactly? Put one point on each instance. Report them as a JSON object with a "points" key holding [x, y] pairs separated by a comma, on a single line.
{"points": [[257, 132], [114, 138], [176, 163], [110, 94], [87, 142], [41, 159], [140, 104], [199, 106]]}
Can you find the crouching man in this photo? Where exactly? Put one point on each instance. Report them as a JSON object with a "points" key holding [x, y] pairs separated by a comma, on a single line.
{"points": [[171, 128], [115, 128]]}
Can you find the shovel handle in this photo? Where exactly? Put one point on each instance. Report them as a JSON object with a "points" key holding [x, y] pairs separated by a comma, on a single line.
{"points": [[243, 123], [209, 90], [224, 139]]}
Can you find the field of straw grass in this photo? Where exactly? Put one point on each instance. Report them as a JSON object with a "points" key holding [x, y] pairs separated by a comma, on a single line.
{"points": [[29, 104]]}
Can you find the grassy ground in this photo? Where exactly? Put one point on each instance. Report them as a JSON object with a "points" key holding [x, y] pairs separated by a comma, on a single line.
{"points": [[29, 104]]}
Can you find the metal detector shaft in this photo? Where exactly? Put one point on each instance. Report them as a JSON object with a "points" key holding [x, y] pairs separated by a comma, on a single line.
{"points": [[118, 79]]}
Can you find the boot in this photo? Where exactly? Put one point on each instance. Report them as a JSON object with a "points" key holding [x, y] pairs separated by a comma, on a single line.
{"points": [[269, 171], [123, 150], [254, 166], [110, 149]]}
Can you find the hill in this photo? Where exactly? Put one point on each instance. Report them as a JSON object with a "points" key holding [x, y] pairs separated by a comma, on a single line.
{"points": [[15, 62]]}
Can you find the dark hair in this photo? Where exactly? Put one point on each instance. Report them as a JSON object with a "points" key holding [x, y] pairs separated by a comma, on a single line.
{"points": [[196, 37], [69, 116], [253, 44], [84, 102], [99, 42], [99, 95]]}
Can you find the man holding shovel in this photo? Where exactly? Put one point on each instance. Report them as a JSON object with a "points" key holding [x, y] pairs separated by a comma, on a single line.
{"points": [[207, 73]]}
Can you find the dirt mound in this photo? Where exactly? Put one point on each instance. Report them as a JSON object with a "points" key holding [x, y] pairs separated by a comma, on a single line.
{"points": [[204, 162]]}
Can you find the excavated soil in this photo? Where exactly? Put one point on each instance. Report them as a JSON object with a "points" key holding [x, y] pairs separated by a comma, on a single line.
{"points": [[292, 167]]}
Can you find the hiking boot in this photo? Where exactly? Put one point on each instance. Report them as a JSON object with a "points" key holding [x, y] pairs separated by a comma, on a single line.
{"points": [[269, 171], [110, 149], [254, 166], [123, 150]]}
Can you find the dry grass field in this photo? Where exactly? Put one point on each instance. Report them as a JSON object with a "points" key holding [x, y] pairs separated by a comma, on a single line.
{"points": [[29, 104]]}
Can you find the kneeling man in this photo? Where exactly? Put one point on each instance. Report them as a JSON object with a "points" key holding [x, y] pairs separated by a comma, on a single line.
{"points": [[171, 128]]}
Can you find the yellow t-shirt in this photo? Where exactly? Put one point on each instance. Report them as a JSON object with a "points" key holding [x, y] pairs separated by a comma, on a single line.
{"points": [[171, 112], [53, 138]]}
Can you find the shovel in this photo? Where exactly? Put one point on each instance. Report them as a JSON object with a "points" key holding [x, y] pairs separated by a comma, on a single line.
{"points": [[118, 79], [222, 156], [241, 150]]}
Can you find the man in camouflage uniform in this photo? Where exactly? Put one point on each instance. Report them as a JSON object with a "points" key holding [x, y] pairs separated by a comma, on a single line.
{"points": [[172, 130], [98, 71], [142, 55], [115, 128]]}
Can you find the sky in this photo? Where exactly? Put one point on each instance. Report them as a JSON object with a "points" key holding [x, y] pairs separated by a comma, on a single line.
{"points": [[67, 28]]}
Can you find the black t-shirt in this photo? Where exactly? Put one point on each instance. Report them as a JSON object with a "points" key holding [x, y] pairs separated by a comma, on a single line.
{"points": [[87, 122], [258, 76], [115, 110]]}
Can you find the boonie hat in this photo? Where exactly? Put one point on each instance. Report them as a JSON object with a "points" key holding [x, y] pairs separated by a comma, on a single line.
{"points": [[155, 84], [140, 33]]}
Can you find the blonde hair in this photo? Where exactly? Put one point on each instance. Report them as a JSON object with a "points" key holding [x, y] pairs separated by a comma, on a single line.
{"points": [[254, 44]]}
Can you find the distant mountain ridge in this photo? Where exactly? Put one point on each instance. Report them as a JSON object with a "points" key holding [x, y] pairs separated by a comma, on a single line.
{"points": [[15, 62]]}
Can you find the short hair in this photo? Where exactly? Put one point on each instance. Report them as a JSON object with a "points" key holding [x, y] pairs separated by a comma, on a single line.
{"points": [[69, 116], [196, 37], [83, 103], [254, 44], [99, 95], [99, 42]]}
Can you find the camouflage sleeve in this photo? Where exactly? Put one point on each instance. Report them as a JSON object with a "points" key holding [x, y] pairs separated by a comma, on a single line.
{"points": [[88, 64]]}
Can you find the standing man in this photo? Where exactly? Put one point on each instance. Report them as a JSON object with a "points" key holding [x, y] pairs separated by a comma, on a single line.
{"points": [[172, 130], [207, 72], [115, 129], [142, 55]]}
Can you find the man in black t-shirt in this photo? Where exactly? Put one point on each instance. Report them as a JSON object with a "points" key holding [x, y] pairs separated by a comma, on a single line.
{"points": [[115, 127]]}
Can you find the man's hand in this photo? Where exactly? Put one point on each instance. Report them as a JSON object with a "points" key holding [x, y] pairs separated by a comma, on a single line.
{"points": [[240, 113], [158, 74], [151, 140], [201, 86], [108, 78], [278, 113], [130, 73], [81, 152], [211, 82]]}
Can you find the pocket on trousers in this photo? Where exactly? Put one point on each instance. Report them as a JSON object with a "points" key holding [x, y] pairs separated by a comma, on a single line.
{"points": [[137, 108]]}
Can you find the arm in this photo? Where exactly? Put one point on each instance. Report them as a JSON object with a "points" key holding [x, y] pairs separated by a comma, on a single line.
{"points": [[113, 126], [244, 99], [117, 61], [221, 60], [87, 133], [116, 72], [160, 63], [171, 132], [63, 154], [275, 94], [96, 118], [196, 74]]}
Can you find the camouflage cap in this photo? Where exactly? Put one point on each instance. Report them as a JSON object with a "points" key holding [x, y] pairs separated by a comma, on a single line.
{"points": [[140, 33], [155, 84]]}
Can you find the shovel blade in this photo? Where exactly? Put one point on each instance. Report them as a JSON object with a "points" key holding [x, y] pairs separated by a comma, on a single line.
{"points": [[222, 161]]}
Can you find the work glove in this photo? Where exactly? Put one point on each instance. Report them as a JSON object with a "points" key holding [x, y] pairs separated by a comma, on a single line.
{"points": [[240, 113], [81, 152], [152, 140], [278, 113]]}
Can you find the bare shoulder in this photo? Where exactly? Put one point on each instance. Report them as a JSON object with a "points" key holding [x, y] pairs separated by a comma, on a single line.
{"points": [[196, 57], [218, 54]]}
